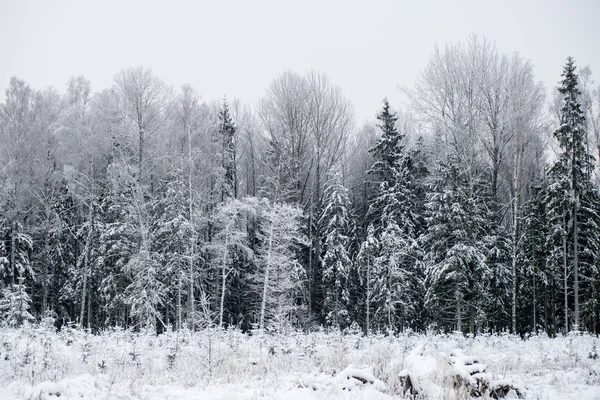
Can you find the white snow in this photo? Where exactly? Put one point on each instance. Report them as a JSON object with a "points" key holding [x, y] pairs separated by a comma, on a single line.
{"points": [[215, 364]]}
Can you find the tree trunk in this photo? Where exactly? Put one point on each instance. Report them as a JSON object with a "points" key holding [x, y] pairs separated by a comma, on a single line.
{"points": [[266, 280], [12, 261], [595, 306], [534, 326], [45, 272], [311, 272], [576, 262], [89, 313], [520, 148], [86, 257], [565, 270], [222, 306], [458, 312], [515, 244], [191, 219], [575, 193], [141, 149], [224, 277], [179, 278], [368, 298]]}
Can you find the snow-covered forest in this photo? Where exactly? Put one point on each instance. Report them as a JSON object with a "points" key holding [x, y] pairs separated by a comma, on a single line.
{"points": [[157, 244], [473, 208]]}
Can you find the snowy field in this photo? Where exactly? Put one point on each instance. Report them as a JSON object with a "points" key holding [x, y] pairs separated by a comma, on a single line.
{"points": [[37, 363]]}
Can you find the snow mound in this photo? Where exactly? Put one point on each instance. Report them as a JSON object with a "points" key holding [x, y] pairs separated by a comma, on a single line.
{"points": [[80, 387], [431, 376], [350, 379]]}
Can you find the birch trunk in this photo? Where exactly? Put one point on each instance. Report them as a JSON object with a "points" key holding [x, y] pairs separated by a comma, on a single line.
{"points": [[224, 277], [266, 281]]}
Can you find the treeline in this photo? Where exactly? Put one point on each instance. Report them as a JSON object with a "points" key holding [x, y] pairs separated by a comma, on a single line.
{"points": [[476, 209]]}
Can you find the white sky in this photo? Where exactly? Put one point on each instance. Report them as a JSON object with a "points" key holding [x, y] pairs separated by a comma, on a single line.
{"points": [[237, 47]]}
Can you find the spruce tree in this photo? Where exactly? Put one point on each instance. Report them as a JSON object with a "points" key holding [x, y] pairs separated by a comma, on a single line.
{"points": [[225, 138], [454, 256], [397, 280], [573, 168], [390, 160], [537, 281], [172, 234], [336, 260]]}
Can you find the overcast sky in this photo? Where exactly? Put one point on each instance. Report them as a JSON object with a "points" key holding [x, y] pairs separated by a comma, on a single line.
{"points": [[237, 47]]}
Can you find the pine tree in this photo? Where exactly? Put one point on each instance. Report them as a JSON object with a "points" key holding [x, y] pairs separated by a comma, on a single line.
{"points": [[15, 304], [392, 213], [336, 260], [453, 257], [496, 245], [145, 294], [128, 264], [390, 160], [537, 281], [557, 210], [225, 138], [56, 251], [172, 235], [573, 170], [396, 287]]}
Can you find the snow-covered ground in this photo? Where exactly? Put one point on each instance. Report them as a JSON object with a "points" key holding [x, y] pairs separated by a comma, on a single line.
{"points": [[36, 363]]}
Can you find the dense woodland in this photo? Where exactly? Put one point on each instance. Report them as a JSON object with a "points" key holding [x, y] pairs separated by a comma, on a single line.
{"points": [[475, 208]]}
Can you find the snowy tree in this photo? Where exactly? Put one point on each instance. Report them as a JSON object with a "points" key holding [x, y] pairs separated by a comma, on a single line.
{"points": [[572, 171], [128, 264], [396, 285], [57, 248], [537, 283], [392, 213], [557, 208], [367, 255], [145, 104], [280, 276], [15, 304], [336, 260], [172, 236], [146, 292], [453, 258], [389, 160], [225, 138], [230, 241], [496, 279]]}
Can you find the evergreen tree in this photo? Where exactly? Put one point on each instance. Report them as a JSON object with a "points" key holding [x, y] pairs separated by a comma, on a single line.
{"points": [[454, 259], [496, 278], [336, 260], [398, 284], [572, 172], [128, 265], [390, 162], [225, 139], [172, 235], [15, 304], [537, 283], [56, 252], [557, 240]]}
